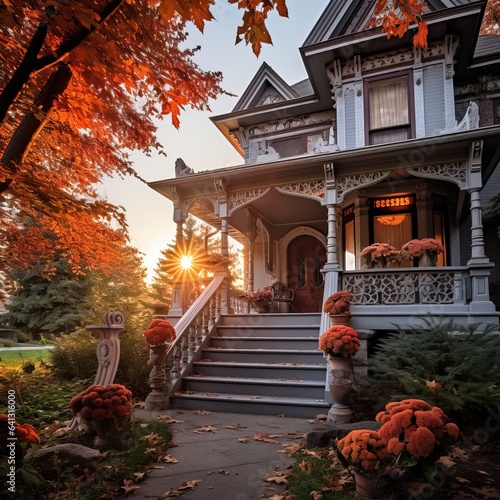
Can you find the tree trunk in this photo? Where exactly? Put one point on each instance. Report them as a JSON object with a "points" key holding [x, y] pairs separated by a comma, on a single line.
{"points": [[23, 72], [33, 123]]}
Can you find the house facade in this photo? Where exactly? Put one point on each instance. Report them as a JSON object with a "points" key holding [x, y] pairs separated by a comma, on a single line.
{"points": [[382, 142]]}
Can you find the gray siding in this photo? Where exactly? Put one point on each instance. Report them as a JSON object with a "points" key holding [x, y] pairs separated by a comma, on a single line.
{"points": [[491, 240], [434, 99], [350, 121]]}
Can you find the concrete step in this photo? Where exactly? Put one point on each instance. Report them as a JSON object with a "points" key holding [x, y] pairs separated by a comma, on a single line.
{"points": [[299, 343], [307, 357], [280, 319], [287, 371], [262, 331], [255, 405], [256, 386]]}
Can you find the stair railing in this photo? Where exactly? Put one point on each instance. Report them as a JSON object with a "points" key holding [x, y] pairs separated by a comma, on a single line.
{"points": [[192, 331]]}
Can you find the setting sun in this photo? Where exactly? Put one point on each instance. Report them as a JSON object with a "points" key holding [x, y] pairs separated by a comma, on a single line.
{"points": [[186, 261]]}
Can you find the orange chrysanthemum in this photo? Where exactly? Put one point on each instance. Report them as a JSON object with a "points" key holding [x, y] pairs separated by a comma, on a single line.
{"points": [[159, 332], [339, 340], [363, 448], [99, 402]]}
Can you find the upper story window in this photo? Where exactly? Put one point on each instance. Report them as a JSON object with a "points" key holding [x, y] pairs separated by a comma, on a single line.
{"points": [[389, 102]]}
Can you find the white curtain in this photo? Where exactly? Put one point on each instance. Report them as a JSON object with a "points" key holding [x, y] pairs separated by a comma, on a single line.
{"points": [[388, 103]]}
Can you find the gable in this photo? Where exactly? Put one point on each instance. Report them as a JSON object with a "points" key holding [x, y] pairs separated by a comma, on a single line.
{"points": [[266, 87], [351, 16]]}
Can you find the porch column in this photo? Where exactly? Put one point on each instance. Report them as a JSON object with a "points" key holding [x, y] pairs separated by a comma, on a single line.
{"points": [[222, 202], [479, 264], [250, 278], [332, 257], [475, 185], [176, 311]]}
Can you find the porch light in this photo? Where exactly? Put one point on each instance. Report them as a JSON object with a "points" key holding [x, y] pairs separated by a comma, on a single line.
{"points": [[391, 220]]}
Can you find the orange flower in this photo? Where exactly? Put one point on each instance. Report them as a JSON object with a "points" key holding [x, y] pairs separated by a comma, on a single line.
{"points": [[159, 332], [338, 303], [363, 448], [413, 426], [23, 432], [339, 340], [99, 402]]}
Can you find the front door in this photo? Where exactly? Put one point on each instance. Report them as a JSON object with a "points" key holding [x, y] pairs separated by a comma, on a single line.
{"points": [[306, 256]]}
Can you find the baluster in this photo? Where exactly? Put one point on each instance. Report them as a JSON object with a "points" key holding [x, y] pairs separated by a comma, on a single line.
{"points": [[192, 338], [213, 309], [184, 349], [176, 356], [205, 319], [458, 288], [169, 366]]}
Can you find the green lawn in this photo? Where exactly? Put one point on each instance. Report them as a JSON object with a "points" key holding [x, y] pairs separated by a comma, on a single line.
{"points": [[14, 358]]}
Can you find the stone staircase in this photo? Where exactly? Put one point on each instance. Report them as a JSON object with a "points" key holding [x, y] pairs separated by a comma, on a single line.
{"points": [[267, 364]]}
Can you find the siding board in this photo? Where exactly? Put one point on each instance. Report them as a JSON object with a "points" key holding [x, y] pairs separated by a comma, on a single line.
{"points": [[434, 99]]}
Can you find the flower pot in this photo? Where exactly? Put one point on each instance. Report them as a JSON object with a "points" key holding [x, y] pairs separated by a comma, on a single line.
{"points": [[261, 306], [427, 259], [107, 433], [365, 486], [340, 367], [340, 389], [339, 319]]}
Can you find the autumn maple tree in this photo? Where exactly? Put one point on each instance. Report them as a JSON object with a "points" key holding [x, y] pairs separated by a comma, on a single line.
{"points": [[81, 85]]}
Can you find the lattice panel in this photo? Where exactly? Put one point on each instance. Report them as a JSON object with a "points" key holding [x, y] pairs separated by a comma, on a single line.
{"points": [[436, 288], [404, 288]]}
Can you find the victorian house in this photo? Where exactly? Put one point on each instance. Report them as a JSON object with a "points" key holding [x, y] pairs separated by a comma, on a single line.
{"points": [[382, 142]]}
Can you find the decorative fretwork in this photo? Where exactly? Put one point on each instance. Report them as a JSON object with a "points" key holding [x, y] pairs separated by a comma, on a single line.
{"points": [[435, 288], [401, 288], [348, 183], [291, 123], [241, 198], [311, 189], [456, 171]]}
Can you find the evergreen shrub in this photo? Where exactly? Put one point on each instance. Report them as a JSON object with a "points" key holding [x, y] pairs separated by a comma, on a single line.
{"points": [[453, 367], [75, 358]]}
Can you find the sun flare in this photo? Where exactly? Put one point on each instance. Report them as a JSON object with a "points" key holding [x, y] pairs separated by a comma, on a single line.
{"points": [[186, 262]]}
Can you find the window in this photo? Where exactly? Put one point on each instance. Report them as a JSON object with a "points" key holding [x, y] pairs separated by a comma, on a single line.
{"points": [[389, 104], [349, 238], [393, 221], [300, 144]]}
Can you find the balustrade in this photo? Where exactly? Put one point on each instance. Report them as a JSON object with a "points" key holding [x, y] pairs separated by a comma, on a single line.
{"points": [[407, 286]]}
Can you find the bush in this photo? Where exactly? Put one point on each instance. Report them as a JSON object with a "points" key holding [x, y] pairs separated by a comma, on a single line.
{"points": [[452, 367], [75, 358], [22, 338]]}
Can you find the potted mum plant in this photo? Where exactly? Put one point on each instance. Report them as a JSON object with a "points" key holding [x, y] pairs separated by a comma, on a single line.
{"points": [[104, 408], [425, 250], [158, 335], [378, 254], [339, 343], [417, 435], [337, 306], [260, 299], [364, 453]]}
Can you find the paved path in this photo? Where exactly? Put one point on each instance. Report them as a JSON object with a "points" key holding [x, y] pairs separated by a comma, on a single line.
{"points": [[223, 456]]}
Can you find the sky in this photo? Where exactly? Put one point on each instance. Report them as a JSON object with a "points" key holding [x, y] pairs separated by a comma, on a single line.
{"points": [[198, 141]]}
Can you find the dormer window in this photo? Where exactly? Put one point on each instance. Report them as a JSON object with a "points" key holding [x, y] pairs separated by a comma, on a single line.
{"points": [[390, 109]]}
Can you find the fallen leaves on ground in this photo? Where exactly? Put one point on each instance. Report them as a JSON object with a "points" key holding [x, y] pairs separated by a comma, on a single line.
{"points": [[205, 428], [243, 440], [291, 449], [263, 436], [169, 459], [169, 420], [202, 412], [318, 418], [183, 489], [235, 427], [152, 439]]}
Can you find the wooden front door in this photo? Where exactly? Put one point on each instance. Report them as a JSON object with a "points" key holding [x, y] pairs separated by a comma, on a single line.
{"points": [[306, 256]]}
